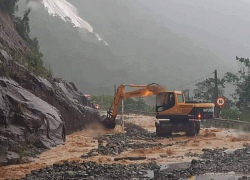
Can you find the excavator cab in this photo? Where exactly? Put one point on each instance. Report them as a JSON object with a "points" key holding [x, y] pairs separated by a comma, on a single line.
{"points": [[164, 101]]}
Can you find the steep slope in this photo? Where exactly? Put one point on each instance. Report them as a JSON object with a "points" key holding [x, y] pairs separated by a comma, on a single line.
{"points": [[143, 46], [35, 112]]}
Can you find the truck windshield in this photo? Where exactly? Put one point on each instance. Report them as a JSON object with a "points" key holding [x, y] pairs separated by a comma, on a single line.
{"points": [[164, 101]]}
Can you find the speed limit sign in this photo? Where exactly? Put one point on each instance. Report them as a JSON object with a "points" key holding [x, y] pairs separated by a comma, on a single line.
{"points": [[220, 101]]}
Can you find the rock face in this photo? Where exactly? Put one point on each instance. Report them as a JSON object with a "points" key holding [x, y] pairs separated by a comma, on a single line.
{"points": [[35, 112], [23, 113], [9, 37], [63, 95], [37, 109], [26, 119]]}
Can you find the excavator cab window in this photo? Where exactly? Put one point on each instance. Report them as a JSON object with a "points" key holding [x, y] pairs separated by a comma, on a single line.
{"points": [[180, 98], [165, 101]]}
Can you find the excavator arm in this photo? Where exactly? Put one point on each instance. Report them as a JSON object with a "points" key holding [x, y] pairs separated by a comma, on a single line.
{"points": [[143, 91]]}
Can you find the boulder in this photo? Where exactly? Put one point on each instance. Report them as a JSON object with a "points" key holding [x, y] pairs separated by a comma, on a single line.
{"points": [[27, 117]]}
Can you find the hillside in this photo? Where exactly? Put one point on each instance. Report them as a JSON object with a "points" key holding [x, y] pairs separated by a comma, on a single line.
{"points": [[146, 43], [37, 110]]}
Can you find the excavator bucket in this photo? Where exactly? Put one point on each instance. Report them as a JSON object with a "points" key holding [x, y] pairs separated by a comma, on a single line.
{"points": [[108, 122]]}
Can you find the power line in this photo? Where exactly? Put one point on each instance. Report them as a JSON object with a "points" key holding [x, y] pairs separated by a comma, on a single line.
{"points": [[196, 80]]}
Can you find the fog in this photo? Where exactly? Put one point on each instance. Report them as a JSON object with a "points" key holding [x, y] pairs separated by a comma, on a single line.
{"points": [[169, 42]]}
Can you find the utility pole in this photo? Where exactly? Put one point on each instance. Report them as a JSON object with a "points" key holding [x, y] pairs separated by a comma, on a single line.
{"points": [[114, 89], [186, 92], [216, 95], [122, 116]]}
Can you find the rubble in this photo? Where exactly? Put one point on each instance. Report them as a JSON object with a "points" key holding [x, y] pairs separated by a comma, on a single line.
{"points": [[218, 161], [134, 131], [118, 143], [212, 161], [92, 170]]}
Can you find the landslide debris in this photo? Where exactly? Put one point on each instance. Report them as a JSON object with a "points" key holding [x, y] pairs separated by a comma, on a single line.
{"points": [[92, 170], [212, 161], [115, 144]]}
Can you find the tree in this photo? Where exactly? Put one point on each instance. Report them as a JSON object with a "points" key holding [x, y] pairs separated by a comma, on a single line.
{"points": [[205, 90], [33, 60], [241, 80], [103, 100], [10, 6], [129, 104]]}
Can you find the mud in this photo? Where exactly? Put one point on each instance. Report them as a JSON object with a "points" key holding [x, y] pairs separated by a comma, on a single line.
{"points": [[183, 150], [211, 161]]}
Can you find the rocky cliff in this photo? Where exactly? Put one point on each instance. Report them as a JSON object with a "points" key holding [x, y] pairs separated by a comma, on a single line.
{"points": [[35, 112]]}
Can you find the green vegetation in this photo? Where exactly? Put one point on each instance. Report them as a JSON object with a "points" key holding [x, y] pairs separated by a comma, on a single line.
{"points": [[22, 153], [136, 104], [228, 113], [241, 81], [103, 100], [33, 61], [10, 5], [205, 89], [239, 107]]}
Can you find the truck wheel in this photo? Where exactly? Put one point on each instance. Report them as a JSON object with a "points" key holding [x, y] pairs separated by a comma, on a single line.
{"points": [[198, 127], [192, 129], [162, 132]]}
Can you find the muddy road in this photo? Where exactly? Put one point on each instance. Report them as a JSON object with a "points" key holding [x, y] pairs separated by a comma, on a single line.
{"points": [[163, 151]]}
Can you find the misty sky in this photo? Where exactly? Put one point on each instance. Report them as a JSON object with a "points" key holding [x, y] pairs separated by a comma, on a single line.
{"points": [[171, 42], [220, 25]]}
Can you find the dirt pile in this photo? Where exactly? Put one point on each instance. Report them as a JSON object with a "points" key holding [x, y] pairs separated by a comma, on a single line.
{"points": [[117, 143]]}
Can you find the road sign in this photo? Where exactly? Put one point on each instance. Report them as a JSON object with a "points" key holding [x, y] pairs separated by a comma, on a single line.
{"points": [[221, 101]]}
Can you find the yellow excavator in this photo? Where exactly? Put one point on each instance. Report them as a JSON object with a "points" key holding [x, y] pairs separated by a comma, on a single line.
{"points": [[173, 112], [143, 91]]}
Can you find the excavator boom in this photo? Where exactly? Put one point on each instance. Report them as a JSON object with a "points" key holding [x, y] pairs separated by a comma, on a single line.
{"points": [[145, 90]]}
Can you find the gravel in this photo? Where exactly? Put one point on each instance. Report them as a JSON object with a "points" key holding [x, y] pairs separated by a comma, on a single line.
{"points": [[213, 161], [132, 139], [92, 170]]}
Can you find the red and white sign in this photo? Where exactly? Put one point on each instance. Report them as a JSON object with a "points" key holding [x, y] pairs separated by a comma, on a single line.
{"points": [[221, 101]]}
